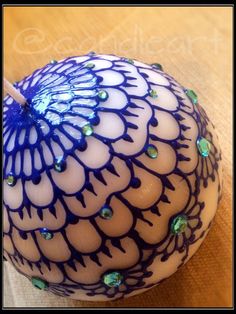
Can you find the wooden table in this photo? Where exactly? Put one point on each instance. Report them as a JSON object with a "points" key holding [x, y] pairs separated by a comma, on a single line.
{"points": [[195, 46]]}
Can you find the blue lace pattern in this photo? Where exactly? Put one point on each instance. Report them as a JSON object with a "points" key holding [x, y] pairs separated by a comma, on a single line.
{"points": [[63, 98]]}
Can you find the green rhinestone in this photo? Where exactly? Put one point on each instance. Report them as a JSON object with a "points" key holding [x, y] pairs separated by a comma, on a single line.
{"points": [[113, 279], [91, 53], [46, 234], [90, 65], [59, 164], [103, 95], [157, 66], [11, 180], [87, 130], [153, 93], [39, 283], [179, 224], [106, 213], [53, 61], [129, 60], [152, 151], [57, 168], [204, 146], [191, 94]]}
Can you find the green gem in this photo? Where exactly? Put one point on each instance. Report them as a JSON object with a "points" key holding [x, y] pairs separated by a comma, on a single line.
{"points": [[57, 167], [39, 283], [11, 180], [47, 235], [103, 95], [113, 279], [60, 164], [87, 130], [191, 94], [106, 213], [157, 66], [153, 93], [204, 146], [90, 65], [129, 60], [152, 151], [53, 61], [179, 224]]}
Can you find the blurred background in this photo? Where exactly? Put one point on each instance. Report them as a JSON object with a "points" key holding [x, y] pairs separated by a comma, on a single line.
{"points": [[194, 45]]}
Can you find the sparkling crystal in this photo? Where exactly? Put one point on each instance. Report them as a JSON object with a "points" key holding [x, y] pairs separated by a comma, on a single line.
{"points": [[113, 279], [179, 224], [91, 53], [106, 212], [53, 61], [103, 95], [191, 94], [157, 66], [90, 65], [60, 164], [152, 151], [129, 60], [11, 180], [204, 146], [46, 234], [153, 93], [87, 130], [39, 283]]}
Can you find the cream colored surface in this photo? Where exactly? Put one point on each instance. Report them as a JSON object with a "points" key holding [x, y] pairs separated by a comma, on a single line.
{"points": [[183, 48]]}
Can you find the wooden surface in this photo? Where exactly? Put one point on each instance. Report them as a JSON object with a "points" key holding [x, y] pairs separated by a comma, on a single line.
{"points": [[194, 46]]}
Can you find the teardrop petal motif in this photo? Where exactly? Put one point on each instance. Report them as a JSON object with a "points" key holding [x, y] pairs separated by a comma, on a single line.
{"points": [[72, 179], [111, 126], [50, 248], [94, 148], [121, 221], [17, 190], [26, 247], [138, 135], [41, 194], [84, 244], [149, 191], [94, 202]]}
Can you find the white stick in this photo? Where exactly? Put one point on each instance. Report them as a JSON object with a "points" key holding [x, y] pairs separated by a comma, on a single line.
{"points": [[14, 93]]}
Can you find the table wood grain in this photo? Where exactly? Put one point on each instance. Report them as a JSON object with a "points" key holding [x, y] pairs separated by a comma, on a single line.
{"points": [[195, 46]]}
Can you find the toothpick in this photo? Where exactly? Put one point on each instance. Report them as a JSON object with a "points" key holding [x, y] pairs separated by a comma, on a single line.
{"points": [[14, 93]]}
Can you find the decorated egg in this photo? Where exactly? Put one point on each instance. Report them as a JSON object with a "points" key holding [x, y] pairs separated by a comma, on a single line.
{"points": [[112, 177]]}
